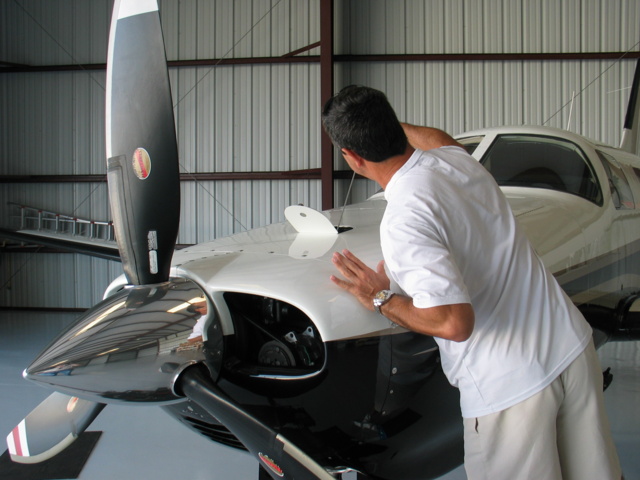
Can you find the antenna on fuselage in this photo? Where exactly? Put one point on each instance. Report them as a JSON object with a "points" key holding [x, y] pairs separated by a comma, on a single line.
{"points": [[346, 199], [629, 141]]}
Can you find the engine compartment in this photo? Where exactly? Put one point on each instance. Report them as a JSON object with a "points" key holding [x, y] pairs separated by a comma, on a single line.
{"points": [[272, 339]]}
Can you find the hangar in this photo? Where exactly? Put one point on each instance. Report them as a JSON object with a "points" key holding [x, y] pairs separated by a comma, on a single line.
{"points": [[247, 80]]}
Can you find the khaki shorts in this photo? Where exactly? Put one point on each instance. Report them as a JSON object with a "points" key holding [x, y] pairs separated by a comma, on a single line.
{"points": [[560, 433]]}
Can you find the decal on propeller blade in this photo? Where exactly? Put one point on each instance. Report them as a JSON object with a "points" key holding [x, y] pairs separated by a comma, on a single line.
{"points": [[152, 243], [141, 163], [17, 441], [271, 464], [71, 405]]}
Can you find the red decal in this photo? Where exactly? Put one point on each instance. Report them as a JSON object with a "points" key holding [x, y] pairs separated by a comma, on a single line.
{"points": [[271, 464], [16, 441], [71, 405], [141, 163]]}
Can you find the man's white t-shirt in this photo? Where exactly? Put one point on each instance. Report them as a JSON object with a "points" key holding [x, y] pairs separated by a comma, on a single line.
{"points": [[448, 236]]}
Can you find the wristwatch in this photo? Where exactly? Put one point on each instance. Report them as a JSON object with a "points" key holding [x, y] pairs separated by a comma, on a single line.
{"points": [[380, 298]]}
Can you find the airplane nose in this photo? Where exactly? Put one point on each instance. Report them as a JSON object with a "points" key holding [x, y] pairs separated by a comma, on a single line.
{"points": [[132, 346]]}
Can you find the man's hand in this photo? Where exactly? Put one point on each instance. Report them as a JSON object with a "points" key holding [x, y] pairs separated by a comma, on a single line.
{"points": [[360, 280], [452, 322]]}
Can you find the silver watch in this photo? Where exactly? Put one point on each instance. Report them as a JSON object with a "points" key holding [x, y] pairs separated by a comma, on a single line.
{"points": [[380, 298]]}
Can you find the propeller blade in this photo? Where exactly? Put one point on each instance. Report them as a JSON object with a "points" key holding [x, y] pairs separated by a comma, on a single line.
{"points": [[280, 457], [629, 141], [142, 152], [51, 427]]}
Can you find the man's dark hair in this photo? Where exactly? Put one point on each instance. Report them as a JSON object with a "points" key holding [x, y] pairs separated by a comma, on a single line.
{"points": [[362, 120]]}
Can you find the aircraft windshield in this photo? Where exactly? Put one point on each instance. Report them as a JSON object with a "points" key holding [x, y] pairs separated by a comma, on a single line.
{"points": [[541, 162]]}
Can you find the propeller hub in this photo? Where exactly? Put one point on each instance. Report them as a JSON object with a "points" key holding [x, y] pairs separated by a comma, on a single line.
{"points": [[132, 346]]}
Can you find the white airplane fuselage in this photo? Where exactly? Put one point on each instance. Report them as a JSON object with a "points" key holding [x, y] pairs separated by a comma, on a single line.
{"points": [[589, 244]]}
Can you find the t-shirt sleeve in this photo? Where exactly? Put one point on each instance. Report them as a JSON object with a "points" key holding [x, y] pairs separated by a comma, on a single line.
{"points": [[422, 265]]}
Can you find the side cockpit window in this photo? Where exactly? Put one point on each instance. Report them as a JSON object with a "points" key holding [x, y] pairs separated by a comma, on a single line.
{"points": [[542, 162], [470, 143], [620, 189]]}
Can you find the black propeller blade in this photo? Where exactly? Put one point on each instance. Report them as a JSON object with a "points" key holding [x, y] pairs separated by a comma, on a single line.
{"points": [[279, 457], [142, 152], [629, 141]]}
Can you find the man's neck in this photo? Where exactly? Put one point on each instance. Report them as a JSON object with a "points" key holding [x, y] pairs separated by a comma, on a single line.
{"points": [[382, 172]]}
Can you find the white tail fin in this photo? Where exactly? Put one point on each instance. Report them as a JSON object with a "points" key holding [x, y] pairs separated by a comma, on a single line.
{"points": [[629, 142]]}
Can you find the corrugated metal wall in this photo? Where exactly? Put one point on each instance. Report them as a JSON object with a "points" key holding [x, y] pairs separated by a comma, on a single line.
{"points": [[54, 280], [266, 117], [486, 26], [460, 96], [463, 96]]}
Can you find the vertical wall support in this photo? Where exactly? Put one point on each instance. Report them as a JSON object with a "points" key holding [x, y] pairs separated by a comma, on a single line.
{"points": [[326, 91]]}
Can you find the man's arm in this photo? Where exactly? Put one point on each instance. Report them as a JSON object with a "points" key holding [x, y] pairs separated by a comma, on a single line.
{"points": [[451, 322], [426, 138]]}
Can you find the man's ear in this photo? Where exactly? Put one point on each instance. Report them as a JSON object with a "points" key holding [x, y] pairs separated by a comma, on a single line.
{"points": [[353, 157]]}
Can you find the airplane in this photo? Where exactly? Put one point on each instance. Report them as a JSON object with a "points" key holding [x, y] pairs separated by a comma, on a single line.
{"points": [[245, 340]]}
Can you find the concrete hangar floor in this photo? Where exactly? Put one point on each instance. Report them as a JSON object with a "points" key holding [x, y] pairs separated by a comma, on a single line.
{"points": [[144, 442]]}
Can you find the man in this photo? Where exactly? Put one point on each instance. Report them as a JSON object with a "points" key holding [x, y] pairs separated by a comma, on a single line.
{"points": [[510, 339]]}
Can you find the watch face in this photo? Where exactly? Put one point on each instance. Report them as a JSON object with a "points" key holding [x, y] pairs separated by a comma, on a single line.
{"points": [[381, 297]]}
